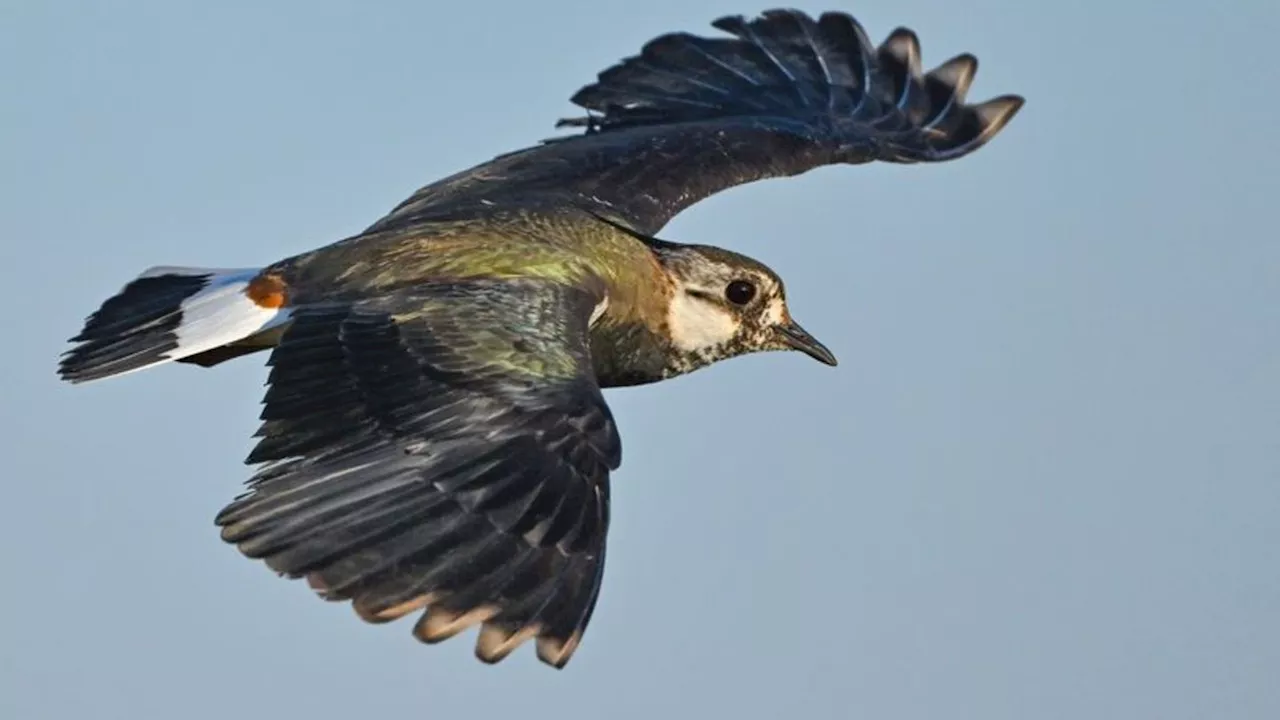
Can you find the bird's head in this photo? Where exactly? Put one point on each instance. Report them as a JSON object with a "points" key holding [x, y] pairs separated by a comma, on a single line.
{"points": [[725, 304]]}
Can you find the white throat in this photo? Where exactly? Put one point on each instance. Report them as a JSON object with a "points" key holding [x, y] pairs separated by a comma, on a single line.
{"points": [[696, 324]]}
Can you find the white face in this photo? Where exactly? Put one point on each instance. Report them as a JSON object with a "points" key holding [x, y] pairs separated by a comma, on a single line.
{"points": [[701, 317], [697, 324]]}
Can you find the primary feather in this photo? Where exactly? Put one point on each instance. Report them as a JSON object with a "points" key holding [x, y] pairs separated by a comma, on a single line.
{"points": [[442, 450], [691, 116]]}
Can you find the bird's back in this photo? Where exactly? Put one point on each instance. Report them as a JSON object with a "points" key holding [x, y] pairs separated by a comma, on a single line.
{"points": [[556, 243]]}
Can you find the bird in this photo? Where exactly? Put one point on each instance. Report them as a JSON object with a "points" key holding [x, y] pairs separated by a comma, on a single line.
{"points": [[434, 439]]}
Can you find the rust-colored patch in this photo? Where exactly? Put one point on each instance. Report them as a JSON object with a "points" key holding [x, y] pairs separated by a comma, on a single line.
{"points": [[267, 291]]}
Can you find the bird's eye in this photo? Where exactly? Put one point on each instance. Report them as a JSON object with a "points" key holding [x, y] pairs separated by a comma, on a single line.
{"points": [[740, 292]]}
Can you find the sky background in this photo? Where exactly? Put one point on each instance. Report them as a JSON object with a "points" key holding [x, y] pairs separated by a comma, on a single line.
{"points": [[1044, 481]]}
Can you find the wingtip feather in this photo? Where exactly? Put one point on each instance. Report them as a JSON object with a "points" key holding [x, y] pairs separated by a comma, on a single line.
{"points": [[783, 63]]}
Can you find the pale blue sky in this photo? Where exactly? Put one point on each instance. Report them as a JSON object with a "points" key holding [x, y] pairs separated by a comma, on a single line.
{"points": [[1044, 481]]}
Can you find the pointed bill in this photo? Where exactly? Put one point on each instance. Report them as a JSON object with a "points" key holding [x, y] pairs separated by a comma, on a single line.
{"points": [[797, 338]]}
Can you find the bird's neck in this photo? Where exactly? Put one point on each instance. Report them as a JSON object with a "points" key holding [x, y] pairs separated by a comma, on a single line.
{"points": [[628, 355]]}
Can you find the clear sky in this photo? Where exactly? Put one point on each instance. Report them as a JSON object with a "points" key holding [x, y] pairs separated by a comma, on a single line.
{"points": [[1044, 481]]}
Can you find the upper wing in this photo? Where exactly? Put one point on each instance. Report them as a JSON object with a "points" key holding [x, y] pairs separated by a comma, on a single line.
{"points": [[691, 116], [446, 449]]}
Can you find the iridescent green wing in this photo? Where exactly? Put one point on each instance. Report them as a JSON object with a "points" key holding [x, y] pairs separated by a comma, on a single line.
{"points": [[444, 449]]}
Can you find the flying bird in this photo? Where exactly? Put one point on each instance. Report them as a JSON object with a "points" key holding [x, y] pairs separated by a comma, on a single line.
{"points": [[434, 439]]}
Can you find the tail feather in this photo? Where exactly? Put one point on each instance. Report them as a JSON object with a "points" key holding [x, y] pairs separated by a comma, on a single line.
{"points": [[785, 64], [167, 314]]}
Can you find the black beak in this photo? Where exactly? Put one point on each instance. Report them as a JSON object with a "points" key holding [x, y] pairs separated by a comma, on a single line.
{"points": [[798, 338]]}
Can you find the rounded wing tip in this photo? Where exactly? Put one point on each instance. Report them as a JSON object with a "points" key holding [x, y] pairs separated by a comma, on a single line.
{"points": [[997, 112]]}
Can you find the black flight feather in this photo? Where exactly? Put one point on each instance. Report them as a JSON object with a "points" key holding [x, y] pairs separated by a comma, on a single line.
{"points": [[444, 451], [690, 116]]}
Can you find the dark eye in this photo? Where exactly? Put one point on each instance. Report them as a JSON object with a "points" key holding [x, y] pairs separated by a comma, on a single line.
{"points": [[740, 292]]}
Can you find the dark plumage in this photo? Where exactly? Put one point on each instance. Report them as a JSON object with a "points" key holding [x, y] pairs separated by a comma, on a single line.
{"points": [[691, 116], [397, 385], [434, 439], [135, 326]]}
